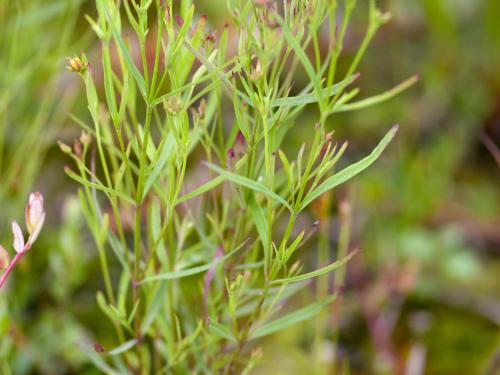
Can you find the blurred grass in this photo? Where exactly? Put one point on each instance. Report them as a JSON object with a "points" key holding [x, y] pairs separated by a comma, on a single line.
{"points": [[427, 215]]}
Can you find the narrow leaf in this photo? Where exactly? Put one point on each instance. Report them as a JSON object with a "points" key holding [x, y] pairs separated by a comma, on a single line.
{"points": [[248, 183], [190, 271], [139, 79], [164, 152], [127, 345], [97, 186], [332, 266], [261, 224], [301, 54], [350, 171], [293, 318], [303, 99], [222, 331], [377, 98], [212, 184]]}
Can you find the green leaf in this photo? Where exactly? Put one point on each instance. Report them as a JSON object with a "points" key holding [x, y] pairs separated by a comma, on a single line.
{"points": [[293, 318], [301, 54], [154, 307], [98, 361], [97, 186], [139, 79], [277, 295], [304, 99], [261, 224], [310, 275], [190, 271], [127, 345], [377, 98], [350, 171], [291, 249], [164, 152], [212, 184], [248, 183], [222, 331]]}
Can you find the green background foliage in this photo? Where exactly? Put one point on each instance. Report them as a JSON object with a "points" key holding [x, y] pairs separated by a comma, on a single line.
{"points": [[426, 215]]}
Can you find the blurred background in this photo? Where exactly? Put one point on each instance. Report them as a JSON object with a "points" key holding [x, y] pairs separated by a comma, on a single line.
{"points": [[425, 289]]}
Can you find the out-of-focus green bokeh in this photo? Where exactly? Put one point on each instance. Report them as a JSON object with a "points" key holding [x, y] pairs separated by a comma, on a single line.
{"points": [[426, 215]]}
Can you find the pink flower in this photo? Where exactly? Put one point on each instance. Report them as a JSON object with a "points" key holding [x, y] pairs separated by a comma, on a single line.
{"points": [[18, 237], [35, 216]]}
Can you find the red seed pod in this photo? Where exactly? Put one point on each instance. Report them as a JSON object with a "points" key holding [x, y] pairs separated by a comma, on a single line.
{"points": [[98, 348], [240, 144]]}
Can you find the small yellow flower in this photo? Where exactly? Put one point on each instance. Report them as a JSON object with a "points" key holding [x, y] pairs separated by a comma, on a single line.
{"points": [[75, 64]]}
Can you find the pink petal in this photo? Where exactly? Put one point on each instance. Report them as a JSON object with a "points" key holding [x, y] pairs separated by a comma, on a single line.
{"points": [[34, 211], [36, 231], [18, 237]]}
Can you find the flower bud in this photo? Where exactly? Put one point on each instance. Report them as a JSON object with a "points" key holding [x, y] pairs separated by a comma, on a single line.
{"points": [[85, 138], [18, 237], [35, 216], [75, 64], [77, 147], [230, 158], [4, 258], [240, 144], [64, 147], [173, 105]]}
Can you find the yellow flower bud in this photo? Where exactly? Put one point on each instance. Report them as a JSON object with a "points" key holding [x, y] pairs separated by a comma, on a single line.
{"points": [[75, 64]]}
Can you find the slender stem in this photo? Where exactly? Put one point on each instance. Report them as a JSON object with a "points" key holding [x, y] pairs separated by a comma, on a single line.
{"points": [[11, 266]]}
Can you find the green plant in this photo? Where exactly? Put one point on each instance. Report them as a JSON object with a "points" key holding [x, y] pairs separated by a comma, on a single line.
{"points": [[199, 275]]}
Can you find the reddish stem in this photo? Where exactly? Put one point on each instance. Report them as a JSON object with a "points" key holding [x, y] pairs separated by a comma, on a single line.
{"points": [[11, 266]]}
